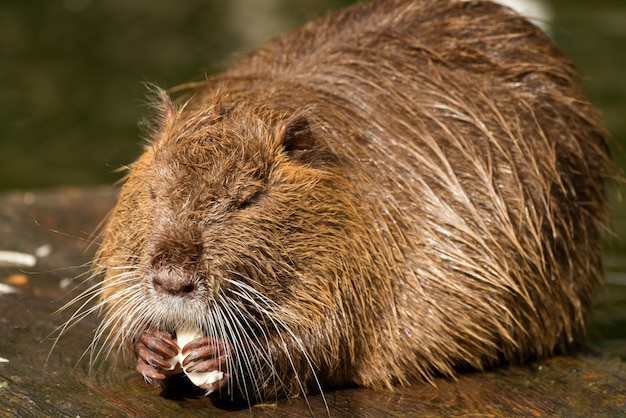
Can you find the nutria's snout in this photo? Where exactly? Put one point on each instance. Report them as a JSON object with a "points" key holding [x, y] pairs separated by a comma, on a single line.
{"points": [[401, 190], [174, 282], [175, 265]]}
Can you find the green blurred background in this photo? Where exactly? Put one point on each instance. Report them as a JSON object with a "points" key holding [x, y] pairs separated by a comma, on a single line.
{"points": [[71, 71], [71, 74]]}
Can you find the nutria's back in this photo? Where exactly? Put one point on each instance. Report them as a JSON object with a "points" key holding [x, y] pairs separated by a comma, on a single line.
{"points": [[399, 190]]}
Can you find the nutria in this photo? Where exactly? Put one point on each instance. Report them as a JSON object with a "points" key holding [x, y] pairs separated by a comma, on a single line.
{"points": [[399, 191]]}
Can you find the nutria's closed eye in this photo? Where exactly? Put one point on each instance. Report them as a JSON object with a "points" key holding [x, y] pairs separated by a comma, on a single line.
{"points": [[397, 191], [248, 198]]}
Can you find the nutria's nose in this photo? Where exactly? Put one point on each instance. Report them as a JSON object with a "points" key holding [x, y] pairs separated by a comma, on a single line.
{"points": [[173, 282]]}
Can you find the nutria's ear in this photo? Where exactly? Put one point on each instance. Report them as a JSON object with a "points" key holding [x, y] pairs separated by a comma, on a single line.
{"points": [[166, 110], [297, 139], [163, 112]]}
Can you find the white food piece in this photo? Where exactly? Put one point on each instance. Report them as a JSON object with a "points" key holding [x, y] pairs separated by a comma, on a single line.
{"points": [[173, 362], [183, 337], [205, 378]]}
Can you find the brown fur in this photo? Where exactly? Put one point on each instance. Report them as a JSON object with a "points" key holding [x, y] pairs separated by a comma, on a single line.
{"points": [[393, 192]]}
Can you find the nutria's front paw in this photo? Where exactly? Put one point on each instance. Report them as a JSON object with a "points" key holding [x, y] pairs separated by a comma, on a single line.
{"points": [[207, 355], [153, 350]]}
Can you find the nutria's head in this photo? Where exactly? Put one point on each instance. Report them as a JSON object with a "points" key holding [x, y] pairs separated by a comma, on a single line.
{"points": [[236, 221]]}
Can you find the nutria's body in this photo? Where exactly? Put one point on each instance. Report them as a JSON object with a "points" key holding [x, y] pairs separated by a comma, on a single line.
{"points": [[396, 191]]}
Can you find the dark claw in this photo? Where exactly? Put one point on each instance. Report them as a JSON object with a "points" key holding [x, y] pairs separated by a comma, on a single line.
{"points": [[202, 349], [159, 342], [202, 342], [148, 372], [150, 357], [153, 349], [205, 366]]}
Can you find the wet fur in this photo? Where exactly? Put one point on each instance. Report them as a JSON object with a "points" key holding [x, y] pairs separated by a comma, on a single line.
{"points": [[441, 208]]}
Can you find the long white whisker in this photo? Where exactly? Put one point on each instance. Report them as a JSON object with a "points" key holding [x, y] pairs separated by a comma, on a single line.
{"points": [[270, 312], [243, 354]]}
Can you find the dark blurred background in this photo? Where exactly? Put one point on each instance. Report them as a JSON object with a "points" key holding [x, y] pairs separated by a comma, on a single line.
{"points": [[71, 71], [71, 74]]}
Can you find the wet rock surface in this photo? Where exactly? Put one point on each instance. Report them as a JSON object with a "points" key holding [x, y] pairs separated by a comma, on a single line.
{"points": [[43, 376]]}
